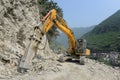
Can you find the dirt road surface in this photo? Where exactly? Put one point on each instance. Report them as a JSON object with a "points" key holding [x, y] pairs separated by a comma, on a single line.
{"points": [[92, 70]]}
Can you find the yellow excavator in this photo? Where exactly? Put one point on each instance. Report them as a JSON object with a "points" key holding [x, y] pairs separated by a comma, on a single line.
{"points": [[77, 48]]}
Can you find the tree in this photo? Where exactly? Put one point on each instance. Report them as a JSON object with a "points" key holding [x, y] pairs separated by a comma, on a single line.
{"points": [[45, 6]]}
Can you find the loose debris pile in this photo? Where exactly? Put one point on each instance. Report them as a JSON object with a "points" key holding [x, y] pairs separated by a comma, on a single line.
{"points": [[46, 65]]}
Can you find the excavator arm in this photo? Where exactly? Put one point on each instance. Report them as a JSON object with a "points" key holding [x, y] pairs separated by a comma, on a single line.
{"points": [[53, 19]]}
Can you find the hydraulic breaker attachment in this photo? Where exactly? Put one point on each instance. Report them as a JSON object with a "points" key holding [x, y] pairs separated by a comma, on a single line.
{"points": [[31, 50]]}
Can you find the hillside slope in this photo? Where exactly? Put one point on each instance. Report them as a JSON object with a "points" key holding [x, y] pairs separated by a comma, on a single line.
{"points": [[17, 21], [105, 36]]}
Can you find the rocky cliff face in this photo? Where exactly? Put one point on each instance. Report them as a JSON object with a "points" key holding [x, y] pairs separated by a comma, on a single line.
{"points": [[17, 21]]}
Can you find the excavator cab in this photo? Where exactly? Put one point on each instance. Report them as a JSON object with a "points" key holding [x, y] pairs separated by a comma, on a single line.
{"points": [[81, 48]]}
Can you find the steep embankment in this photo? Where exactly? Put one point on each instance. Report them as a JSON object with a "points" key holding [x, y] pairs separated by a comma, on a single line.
{"points": [[105, 36], [17, 21]]}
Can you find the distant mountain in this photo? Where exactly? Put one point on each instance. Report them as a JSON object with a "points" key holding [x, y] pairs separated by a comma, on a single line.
{"points": [[78, 32], [105, 37]]}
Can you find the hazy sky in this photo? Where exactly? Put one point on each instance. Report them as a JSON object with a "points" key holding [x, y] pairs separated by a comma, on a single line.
{"points": [[85, 13]]}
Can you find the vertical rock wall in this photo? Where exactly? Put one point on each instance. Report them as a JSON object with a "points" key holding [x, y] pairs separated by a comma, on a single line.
{"points": [[17, 21]]}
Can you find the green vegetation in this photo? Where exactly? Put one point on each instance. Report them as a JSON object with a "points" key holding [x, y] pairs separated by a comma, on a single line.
{"points": [[105, 37], [105, 42], [45, 6]]}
